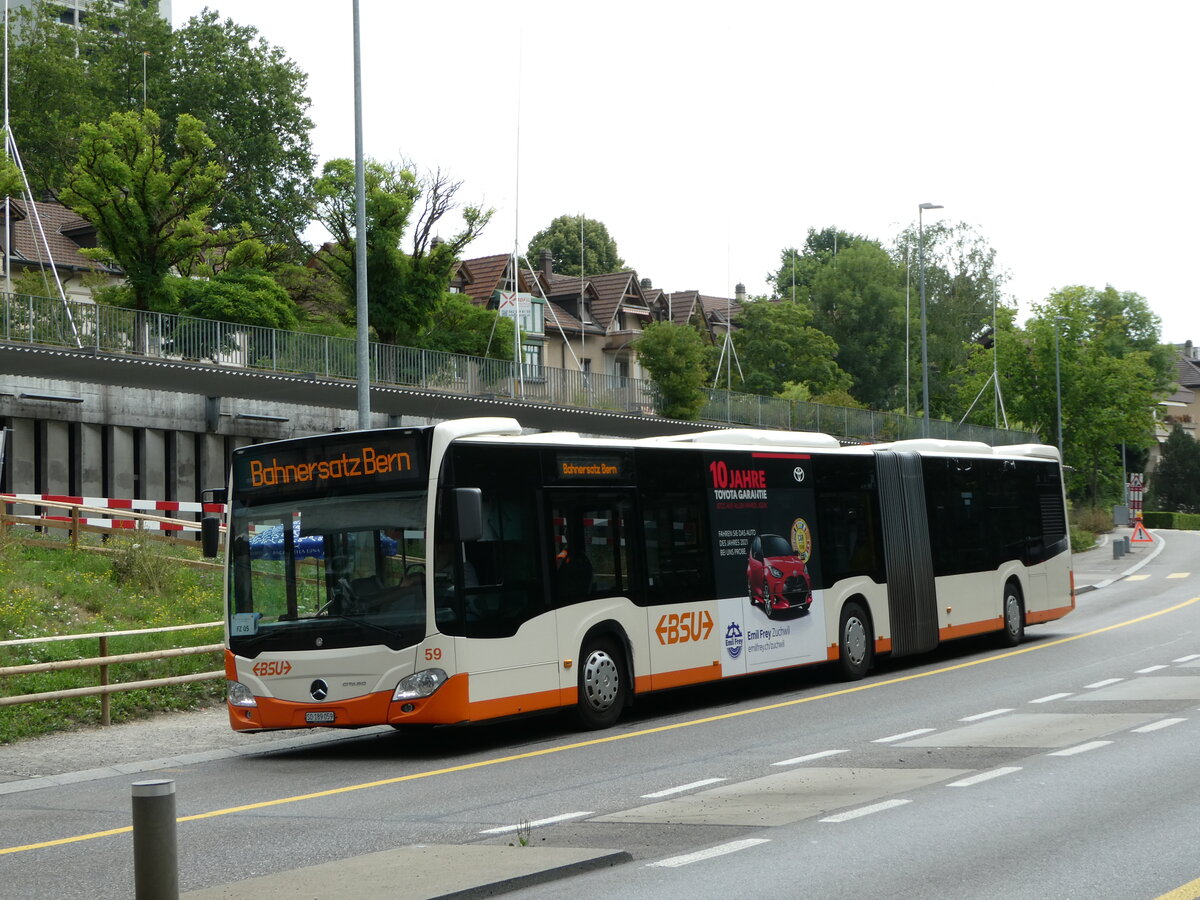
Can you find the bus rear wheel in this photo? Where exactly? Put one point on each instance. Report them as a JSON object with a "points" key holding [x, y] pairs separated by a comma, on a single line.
{"points": [[603, 688], [856, 642], [1014, 615]]}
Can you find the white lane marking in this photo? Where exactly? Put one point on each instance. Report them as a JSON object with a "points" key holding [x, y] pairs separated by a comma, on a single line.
{"points": [[901, 737], [986, 715], [1105, 683], [1050, 697], [676, 861], [1154, 726], [536, 824], [984, 776], [1148, 670], [801, 759], [865, 810], [683, 788], [1082, 748], [1188, 658]]}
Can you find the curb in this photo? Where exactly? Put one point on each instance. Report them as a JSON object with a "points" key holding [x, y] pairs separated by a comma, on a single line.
{"points": [[1160, 545]]}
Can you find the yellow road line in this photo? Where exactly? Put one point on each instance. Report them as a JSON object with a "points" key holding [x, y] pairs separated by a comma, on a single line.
{"points": [[1179, 575], [608, 739], [1189, 891]]}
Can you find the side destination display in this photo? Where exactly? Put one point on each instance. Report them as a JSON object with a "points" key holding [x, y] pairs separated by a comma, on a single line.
{"points": [[288, 469]]}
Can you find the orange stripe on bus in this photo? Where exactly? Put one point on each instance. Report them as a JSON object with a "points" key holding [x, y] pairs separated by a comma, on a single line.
{"points": [[1048, 615], [683, 677], [950, 632]]}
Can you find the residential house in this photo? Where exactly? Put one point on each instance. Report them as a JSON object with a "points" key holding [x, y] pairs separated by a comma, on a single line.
{"points": [[47, 238], [493, 282]]}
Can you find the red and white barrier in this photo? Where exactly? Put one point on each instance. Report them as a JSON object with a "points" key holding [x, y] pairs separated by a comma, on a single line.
{"points": [[115, 503]]}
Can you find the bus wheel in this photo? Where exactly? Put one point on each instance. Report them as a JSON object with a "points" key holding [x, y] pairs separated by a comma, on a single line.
{"points": [[856, 643], [602, 686], [1014, 615]]}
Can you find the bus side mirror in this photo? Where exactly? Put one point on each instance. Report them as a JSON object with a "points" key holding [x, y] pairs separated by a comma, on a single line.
{"points": [[210, 535], [468, 514]]}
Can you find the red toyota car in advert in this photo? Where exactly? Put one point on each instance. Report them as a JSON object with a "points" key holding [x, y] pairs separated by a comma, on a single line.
{"points": [[776, 576]]}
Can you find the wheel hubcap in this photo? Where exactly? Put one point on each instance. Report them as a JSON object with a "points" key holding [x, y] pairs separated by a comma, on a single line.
{"points": [[856, 640], [601, 680], [1012, 613]]}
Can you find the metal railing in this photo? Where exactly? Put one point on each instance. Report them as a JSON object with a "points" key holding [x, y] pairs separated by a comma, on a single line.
{"points": [[109, 329]]}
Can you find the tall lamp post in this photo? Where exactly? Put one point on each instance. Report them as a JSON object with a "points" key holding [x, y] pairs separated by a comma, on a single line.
{"points": [[1058, 383], [924, 335]]}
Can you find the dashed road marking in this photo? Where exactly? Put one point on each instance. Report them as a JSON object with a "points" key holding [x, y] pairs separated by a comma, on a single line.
{"points": [[865, 811], [984, 776], [1188, 658], [905, 736], [1050, 697], [1081, 748], [985, 715], [682, 789], [553, 820], [1105, 683], [1179, 575], [676, 861], [1149, 669], [1136, 577], [796, 760], [1155, 726]]}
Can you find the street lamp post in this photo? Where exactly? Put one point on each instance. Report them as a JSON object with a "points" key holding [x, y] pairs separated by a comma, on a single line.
{"points": [[924, 334], [1058, 383]]}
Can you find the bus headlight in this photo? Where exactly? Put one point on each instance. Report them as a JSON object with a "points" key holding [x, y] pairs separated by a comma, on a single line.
{"points": [[419, 684], [239, 694]]}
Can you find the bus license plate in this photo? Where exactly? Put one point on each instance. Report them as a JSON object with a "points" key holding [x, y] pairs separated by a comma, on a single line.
{"points": [[319, 718]]}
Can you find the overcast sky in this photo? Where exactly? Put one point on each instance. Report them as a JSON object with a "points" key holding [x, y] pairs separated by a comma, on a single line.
{"points": [[708, 136]]}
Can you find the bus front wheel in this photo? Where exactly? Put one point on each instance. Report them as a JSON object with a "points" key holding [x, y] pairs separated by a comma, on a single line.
{"points": [[856, 642], [603, 688]]}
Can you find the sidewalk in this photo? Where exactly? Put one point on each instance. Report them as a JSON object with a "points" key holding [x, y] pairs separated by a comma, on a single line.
{"points": [[1098, 568]]}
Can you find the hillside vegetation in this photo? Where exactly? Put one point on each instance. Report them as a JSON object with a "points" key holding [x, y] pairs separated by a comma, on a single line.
{"points": [[46, 588]]}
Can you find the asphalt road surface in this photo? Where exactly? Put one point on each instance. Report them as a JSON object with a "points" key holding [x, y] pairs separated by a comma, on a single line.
{"points": [[1063, 768]]}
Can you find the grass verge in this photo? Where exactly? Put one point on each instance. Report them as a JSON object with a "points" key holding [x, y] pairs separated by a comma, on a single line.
{"points": [[46, 588]]}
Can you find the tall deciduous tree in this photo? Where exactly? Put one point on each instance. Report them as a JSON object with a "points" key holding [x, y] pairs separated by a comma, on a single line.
{"points": [[776, 343], [562, 238], [1111, 378], [676, 356], [250, 97], [402, 288], [252, 100], [859, 302], [149, 211], [798, 268]]}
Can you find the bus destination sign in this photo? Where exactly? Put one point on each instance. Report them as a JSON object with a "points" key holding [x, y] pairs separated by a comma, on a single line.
{"points": [[590, 467], [306, 467]]}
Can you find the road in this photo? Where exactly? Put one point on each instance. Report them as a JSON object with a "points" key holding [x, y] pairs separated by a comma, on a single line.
{"points": [[1063, 768]]}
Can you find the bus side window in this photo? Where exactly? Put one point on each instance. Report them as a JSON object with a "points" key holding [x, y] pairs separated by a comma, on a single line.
{"points": [[675, 528], [590, 546]]}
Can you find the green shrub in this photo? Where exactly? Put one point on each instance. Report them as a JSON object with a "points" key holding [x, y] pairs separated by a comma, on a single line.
{"points": [[1093, 519], [1082, 539], [1182, 521], [144, 564]]}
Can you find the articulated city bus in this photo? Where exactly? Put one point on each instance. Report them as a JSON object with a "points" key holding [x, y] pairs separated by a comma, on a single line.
{"points": [[466, 571]]}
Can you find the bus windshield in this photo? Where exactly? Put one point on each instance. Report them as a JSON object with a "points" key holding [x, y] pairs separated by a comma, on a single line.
{"points": [[328, 572]]}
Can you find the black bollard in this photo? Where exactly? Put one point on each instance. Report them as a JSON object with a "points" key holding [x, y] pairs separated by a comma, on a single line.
{"points": [[155, 864]]}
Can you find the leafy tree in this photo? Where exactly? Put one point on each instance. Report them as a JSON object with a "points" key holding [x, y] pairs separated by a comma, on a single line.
{"points": [[252, 100], [459, 326], [797, 268], [403, 288], [249, 96], [777, 344], [859, 302], [962, 281], [562, 238], [1175, 486], [319, 298], [1111, 380], [149, 212], [241, 296], [676, 356]]}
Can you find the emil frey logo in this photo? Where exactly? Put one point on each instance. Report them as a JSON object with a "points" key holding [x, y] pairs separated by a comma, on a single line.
{"points": [[733, 640]]}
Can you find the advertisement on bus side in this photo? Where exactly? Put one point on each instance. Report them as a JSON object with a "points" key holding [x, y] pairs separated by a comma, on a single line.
{"points": [[764, 513]]}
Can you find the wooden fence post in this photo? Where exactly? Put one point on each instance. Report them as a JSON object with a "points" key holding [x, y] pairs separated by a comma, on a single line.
{"points": [[105, 698]]}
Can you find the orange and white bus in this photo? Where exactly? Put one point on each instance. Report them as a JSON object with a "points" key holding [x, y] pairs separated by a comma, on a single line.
{"points": [[466, 571]]}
